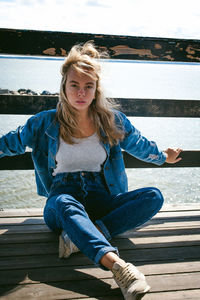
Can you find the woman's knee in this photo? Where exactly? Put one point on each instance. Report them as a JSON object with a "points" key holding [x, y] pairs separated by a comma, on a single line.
{"points": [[66, 204], [157, 197]]}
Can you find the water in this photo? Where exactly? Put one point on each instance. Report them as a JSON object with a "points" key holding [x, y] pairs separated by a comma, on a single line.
{"points": [[130, 79], [122, 79]]}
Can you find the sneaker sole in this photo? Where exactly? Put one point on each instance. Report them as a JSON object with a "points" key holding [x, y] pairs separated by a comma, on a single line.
{"points": [[141, 295]]}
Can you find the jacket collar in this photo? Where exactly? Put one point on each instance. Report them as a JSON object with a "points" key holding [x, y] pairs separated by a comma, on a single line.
{"points": [[53, 130]]}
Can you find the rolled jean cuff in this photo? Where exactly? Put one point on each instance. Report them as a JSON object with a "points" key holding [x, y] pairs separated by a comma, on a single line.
{"points": [[101, 253], [104, 230]]}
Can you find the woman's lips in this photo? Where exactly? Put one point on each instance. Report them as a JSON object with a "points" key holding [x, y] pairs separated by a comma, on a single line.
{"points": [[80, 101]]}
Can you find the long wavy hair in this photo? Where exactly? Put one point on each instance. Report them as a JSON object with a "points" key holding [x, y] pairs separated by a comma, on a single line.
{"points": [[85, 59]]}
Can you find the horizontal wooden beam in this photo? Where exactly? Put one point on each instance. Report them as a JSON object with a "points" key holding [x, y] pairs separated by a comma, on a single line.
{"points": [[49, 43], [24, 162], [16, 104], [189, 159]]}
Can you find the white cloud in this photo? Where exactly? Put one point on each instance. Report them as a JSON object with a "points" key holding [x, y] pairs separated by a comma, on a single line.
{"points": [[174, 18]]}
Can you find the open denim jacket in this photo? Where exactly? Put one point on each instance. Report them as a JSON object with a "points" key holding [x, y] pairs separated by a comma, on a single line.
{"points": [[41, 133]]}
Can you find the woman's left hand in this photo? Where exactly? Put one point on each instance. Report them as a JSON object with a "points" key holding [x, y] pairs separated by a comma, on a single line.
{"points": [[172, 155]]}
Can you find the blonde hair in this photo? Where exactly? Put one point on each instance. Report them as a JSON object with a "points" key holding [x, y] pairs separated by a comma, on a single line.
{"points": [[85, 60]]}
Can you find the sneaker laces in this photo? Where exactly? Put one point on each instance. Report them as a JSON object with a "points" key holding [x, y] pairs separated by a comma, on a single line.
{"points": [[125, 276]]}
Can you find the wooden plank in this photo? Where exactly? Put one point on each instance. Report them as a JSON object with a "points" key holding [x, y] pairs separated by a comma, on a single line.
{"points": [[43, 258], [180, 207], [21, 221], [156, 242], [26, 104], [142, 232], [51, 247], [151, 230], [170, 263], [32, 104], [24, 162], [52, 274], [136, 237], [24, 229], [157, 224], [95, 287], [172, 209], [189, 159], [18, 216], [159, 107], [175, 295], [24, 238], [49, 43], [21, 212]]}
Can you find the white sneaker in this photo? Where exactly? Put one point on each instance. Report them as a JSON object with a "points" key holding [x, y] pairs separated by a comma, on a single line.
{"points": [[130, 280], [66, 247]]}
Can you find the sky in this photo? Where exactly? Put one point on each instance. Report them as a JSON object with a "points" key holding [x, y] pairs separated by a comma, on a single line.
{"points": [[153, 18]]}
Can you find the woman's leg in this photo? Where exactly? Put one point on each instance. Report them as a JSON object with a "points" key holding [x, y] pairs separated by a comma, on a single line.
{"points": [[64, 212], [130, 210]]}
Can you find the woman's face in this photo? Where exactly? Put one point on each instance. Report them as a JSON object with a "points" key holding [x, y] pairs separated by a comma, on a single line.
{"points": [[80, 90]]}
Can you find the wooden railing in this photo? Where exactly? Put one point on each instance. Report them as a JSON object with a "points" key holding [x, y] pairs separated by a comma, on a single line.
{"points": [[44, 43]]}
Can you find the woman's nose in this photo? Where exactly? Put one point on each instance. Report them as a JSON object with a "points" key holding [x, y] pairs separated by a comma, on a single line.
{"points": [[81, 92]]}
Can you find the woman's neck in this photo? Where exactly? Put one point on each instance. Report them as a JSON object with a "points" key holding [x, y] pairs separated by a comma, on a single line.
{"points": [[86, 124]]}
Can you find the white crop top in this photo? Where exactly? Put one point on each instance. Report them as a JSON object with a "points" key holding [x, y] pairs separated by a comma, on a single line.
{"points": [[86, 155]]}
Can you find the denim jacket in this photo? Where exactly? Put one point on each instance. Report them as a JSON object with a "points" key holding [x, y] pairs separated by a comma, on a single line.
{"points": [[41, 133]]}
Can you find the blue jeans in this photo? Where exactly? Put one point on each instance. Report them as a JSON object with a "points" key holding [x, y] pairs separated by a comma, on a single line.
{"points": [[79, 201]]}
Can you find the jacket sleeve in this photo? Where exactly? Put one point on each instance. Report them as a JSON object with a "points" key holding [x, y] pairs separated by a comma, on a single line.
{"points": [[139, 146], [15, 142]]}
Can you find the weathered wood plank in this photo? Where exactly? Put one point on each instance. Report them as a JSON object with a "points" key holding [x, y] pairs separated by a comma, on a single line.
{"points": [[156, 242], [32, 104], [189, 159], [43, 258], [176, 295], [180, 207], [95, 287], [21, 212], [155, 232], [49, 43], [155, 224], [24, 229], [27, 248], [172, 209], [171, 262], [21, 221], [162, 216], [52, 274], [31, 238], [24, 162]]}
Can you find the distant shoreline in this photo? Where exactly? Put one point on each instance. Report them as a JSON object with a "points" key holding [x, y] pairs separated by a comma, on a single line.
{"points": [[26, 92]]}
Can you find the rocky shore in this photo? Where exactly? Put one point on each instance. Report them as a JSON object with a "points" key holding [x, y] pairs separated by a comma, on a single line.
{"points": [[25, 92]]}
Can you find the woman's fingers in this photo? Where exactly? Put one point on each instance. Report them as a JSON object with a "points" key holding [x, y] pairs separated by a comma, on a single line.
{"points": [[172, 155]]}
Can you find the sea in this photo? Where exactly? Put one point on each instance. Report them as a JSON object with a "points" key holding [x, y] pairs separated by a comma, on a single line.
{"points": [[128, 79]]}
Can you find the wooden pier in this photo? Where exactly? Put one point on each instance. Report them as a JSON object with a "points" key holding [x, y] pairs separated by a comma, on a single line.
{"points": [[166, 249]]}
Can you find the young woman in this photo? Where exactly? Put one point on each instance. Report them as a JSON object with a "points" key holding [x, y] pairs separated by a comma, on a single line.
{"points": [[76, 150]]}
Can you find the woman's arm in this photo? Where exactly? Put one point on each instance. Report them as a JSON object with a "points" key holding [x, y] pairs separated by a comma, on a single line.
{"points": [[146, 150], [15, 142]]}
